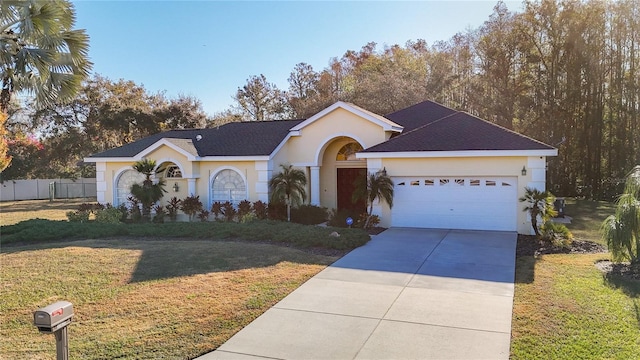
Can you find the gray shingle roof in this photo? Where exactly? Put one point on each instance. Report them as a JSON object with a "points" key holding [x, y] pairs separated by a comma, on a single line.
{"points": [[419, 115], [459, 131], [233, 139], [428, 126]]}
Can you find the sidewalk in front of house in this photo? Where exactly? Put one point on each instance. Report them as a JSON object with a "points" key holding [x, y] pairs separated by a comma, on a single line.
{"points": [[407, 294]]}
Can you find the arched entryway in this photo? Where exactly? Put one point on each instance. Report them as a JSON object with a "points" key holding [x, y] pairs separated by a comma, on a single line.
{"points": [[175, 183], [340, 173]]}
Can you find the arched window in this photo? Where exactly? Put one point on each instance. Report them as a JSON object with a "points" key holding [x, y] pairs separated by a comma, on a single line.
{"points": [[228, 185], [123, 187], [348, 152], [173, 171]]}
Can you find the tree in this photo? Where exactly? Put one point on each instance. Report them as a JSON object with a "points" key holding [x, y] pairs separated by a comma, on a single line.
{"points": [[288, 185], [147, 193], [375, 186], [5, 158], [538, 203], [260, 100], [40, 52], [185, 112], [303, 95], [621, 231], [27, 159]]}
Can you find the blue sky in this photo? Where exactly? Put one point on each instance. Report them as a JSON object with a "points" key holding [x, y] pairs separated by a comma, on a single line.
{"points": [[210, 48]]}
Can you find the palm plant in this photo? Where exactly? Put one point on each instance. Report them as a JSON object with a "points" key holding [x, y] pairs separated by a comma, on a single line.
{"points": [[147, 193], [40, 52], [375, 186], [538, 203], [621, 231], [288, 185]]}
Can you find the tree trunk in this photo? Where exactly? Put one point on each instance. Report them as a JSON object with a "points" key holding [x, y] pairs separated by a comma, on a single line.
{"points": [[288, 208]]}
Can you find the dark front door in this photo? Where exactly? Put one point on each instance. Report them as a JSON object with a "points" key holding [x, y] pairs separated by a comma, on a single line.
{"points": [[347, 179]]}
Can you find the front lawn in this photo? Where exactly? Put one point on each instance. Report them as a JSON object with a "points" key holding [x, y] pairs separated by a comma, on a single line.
{"points": [[565, 308], [570, 311], [144, 299]]}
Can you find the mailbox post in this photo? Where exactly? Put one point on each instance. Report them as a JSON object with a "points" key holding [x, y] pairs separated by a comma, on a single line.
{"points": [[53, 319]]}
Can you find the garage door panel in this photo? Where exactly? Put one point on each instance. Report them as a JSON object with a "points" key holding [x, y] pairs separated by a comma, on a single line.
{"points": [[484, 203]]}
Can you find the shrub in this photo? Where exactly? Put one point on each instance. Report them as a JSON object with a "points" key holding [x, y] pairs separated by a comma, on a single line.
{"points": [[374, 220], [244, 207], [260, 209], [136, 213], [78, 216], [172, 208], [270, 231], [124, 212], [249, 217], [276, 211], [203, 215], [556, 234], [216, 209], [338, 218], [191, 205], [158, 218], [228, 211], [309, 215], [109, 215], [621, 231]]}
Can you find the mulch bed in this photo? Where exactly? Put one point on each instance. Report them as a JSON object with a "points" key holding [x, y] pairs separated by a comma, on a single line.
{"points": [[528, 245], [624, 270]]}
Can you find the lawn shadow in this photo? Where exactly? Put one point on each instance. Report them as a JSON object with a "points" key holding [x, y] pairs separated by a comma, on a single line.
{"points": [[526, 249], [630, 287], [164, 259], [525, 269]]}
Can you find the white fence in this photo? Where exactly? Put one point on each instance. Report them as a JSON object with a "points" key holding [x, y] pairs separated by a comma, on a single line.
{"points": [[47, 188]]}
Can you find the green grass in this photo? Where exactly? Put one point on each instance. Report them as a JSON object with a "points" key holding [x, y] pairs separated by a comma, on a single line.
{"points": [[569, 311], [565, 308], [39, 230], [587, 217], [144, 299]]}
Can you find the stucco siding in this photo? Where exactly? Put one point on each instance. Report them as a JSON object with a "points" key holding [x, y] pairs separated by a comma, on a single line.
{"points": [[309, 147], [479, 166]]}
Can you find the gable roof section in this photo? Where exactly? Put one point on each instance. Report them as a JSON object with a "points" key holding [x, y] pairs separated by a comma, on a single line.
{"points": [[459, 131], [233, 139], [419, 115], [386, 124]]}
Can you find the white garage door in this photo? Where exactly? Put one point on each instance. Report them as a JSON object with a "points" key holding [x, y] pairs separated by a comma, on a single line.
{"points": [[474, 203]]}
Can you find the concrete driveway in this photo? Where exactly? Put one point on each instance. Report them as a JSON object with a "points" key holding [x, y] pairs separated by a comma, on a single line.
{"points": [[407, 294]]}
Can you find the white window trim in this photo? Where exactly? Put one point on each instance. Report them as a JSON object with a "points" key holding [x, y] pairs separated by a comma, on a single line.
{"points": [[219, 170]]}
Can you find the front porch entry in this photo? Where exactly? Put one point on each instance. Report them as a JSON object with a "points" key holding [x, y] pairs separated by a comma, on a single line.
{"points": [[347, 179]]}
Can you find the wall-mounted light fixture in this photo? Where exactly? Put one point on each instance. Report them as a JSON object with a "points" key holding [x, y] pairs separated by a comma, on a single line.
{"points": [[176, 188], [523, 171]]}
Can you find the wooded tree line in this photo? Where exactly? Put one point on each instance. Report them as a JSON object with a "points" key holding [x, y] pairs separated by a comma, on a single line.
{"points": [[562, 72]]}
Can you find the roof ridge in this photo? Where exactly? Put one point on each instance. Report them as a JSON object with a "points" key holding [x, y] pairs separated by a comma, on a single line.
{"points": [[431, 123], [420, 103], [508, 130]]}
